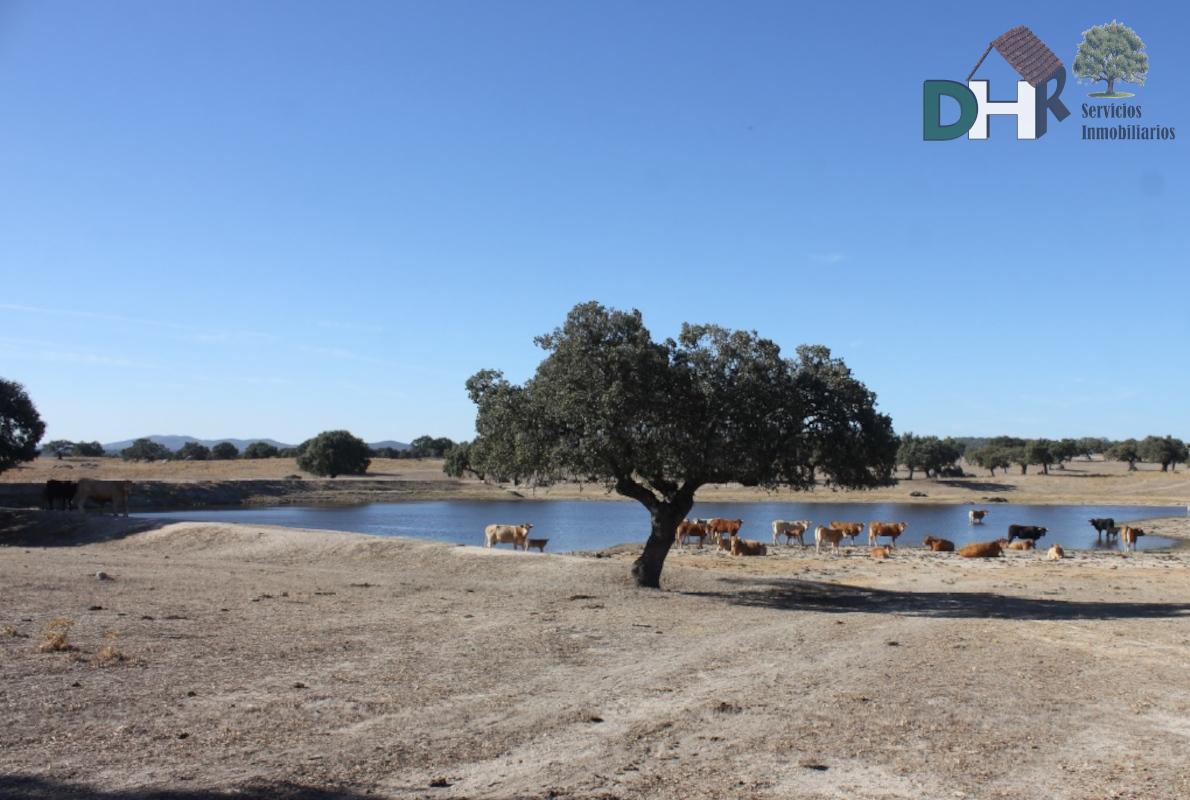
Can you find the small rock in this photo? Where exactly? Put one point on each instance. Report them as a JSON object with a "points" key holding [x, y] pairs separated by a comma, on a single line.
{"points": [[102, 576], [300, 685], [76, 685], [192, 693], [94, 608], [439, 783], [183, 735]]}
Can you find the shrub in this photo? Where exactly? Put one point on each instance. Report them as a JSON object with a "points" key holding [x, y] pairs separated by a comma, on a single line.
{"points": [[193, 451], [145, 450], [225, 451], [334, 453], [260, 450]]}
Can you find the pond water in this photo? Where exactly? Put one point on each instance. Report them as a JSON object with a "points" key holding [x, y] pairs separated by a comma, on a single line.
{"points": [[592, 525]]}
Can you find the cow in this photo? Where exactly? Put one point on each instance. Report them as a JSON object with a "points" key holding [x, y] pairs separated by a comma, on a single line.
{"points": [[742, 547], [1033, 532], [1056, 553], [58, 493], [830, 535], [720, 528], [517, 535], [790, 530], [850, 529], [880, 552], [539, 544], [980, 550], [1128, 537], [689, 530], [1021, 544], [890, 530], [1103, 525], [975, 516], [938, 545], [114, 492]]}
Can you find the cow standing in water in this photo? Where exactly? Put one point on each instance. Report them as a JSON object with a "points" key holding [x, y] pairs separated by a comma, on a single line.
{"points": [[58, 494]]}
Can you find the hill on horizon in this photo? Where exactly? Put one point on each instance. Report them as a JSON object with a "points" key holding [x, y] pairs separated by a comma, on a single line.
{"points": [[174, 443]]}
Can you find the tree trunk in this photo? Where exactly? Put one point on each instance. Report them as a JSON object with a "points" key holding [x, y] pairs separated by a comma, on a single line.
{"points": [[1111, 86], [1045, 469], [911, 473], [646, 570], [1024, 469]]}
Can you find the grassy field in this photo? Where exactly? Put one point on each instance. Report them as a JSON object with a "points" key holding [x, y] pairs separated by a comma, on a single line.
{"points": [[1081, 482]]}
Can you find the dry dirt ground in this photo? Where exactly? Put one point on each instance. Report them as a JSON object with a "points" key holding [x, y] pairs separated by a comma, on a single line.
{"points": [[182, 484], [251, 661]]}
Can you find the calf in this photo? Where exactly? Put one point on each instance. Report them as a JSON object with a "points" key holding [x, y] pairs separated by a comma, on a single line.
{"points": [[790, 530], [850, 529], [831, 535], [742, 547], [890, 530], [938, 545], [1022, 544], [1033, 532], [980, 550], [1056, 553], [975, 516], [1128, 537], [1102, 525], [539, 544], [883, 551]]}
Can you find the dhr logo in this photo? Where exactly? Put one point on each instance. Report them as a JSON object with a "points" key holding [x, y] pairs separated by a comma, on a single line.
{"points": [[1033, 61]]}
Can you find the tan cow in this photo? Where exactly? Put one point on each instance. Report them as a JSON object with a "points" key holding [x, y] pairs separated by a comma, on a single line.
{"points": [[517, 535], [1056, 553], [938, 545], [880, 552], [790, 530], [830, 535], [981, 550], [743, 547], [890, 530], [114, 492], [850, 529]]}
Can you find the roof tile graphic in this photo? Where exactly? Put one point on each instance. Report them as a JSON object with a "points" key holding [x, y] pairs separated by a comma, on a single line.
{"points": [[1025, 53]]}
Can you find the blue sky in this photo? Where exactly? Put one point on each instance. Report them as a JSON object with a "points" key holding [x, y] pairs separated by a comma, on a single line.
{"points": [[270, 219]]}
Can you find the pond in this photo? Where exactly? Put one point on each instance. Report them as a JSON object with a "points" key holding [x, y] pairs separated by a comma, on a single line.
{"points": [[591, 525]]}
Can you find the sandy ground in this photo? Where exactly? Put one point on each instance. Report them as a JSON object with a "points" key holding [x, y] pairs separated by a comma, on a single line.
{"points": [[182, 484], [305, 664]]}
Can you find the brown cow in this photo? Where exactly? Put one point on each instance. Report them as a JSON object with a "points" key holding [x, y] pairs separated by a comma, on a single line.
{"points": [[689, 530], [1019, 544], [114, 492], [980, 550], [938, 545], [883, 551], [790, 530], [720, 527], [850, 529], [975, 516], [890, 530], [1128, 537]]}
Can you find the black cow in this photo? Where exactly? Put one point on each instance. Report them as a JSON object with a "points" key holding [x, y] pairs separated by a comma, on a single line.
{"points": [[1025, 532], [1106, 525], [58, 494]]}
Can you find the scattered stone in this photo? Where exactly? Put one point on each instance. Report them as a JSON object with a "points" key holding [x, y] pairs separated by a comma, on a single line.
{"points": [[183, 735], [192, 693], [94, 608], [102, 576], [439, 783], [300, 685]]}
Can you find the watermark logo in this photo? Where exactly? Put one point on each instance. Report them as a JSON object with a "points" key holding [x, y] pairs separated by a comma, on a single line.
{"points": [[1033, 61], [1111, 53]]}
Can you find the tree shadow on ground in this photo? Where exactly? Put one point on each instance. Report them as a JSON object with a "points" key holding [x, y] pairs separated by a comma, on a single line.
{"points": [[29, 528], [28, 787], [977, 486], [795, 595]]}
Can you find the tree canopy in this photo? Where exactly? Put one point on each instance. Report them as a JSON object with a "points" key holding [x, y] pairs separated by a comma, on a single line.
{"points": [[654, 421], [145, 449], [193, 451], [1110, 53], [21, 427], [334, 453], [261, 450], [1164, 450], [225, 451]]}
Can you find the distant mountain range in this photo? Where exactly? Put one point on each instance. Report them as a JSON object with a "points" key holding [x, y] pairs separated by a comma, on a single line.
{"points": [[174, 443]]}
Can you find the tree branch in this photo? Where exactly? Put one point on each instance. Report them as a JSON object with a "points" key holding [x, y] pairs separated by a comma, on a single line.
{"points": [[633, 490]]}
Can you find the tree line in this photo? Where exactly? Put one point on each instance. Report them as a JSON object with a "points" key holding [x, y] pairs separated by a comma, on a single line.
{"points": [[1003, 452]]}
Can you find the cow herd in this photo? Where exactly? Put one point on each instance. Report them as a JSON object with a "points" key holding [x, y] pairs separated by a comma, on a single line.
{"points": [[74, 495]]}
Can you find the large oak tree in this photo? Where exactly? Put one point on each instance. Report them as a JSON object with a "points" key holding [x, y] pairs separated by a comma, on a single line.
{"points": [[654, 421]]}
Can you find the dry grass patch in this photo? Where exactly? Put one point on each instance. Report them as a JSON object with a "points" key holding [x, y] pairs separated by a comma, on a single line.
{"points": [[56, 638], [108, 654]]}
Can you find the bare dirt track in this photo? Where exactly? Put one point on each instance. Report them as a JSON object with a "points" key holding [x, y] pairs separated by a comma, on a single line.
{"points": [[282, 663]]}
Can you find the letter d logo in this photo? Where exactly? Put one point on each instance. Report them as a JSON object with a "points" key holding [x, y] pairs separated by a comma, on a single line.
{"points": [[932, 129]]}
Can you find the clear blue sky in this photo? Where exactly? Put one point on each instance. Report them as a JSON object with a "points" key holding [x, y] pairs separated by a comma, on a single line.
{"points": [[274, 218]]}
